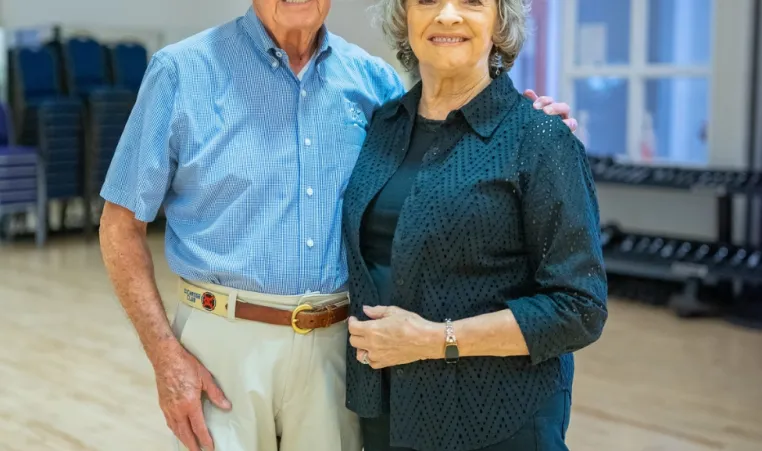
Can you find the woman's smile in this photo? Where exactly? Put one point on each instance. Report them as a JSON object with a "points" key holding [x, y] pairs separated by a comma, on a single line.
{"points": [[447, 40]]}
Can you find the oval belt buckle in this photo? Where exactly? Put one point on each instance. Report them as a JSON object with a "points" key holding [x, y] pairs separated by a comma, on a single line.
{"points": [[296, 311]]}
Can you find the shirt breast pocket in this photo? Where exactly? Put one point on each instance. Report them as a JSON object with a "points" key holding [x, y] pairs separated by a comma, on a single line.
{"points": [[353, 135], [354, 124]]}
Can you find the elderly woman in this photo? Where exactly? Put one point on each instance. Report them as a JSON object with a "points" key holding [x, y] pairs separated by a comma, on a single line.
{"points": [[472, 234]]}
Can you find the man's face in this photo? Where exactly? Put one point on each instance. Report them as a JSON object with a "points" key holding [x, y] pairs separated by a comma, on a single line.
{"points": [[283, 16]]}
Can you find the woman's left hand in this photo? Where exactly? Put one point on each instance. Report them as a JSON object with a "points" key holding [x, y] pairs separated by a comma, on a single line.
{"points": [[394, 336]]}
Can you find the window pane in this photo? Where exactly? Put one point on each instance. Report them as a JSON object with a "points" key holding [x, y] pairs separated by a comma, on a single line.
{"points": [[603, 32], [680, 31], [674, 126], [602, 114]]}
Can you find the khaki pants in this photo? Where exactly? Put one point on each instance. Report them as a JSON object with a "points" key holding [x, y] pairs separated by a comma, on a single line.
{"points": [[287, 389]]}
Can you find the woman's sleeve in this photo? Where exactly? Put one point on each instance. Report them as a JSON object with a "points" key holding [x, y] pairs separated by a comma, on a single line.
{"points": [[561, 225]]}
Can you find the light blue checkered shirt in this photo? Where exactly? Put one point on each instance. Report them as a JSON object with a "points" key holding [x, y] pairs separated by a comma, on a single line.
{"points": [[249, 160]]}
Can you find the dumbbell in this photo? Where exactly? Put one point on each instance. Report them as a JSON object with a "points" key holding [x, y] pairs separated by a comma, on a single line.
{"points": [[640, 175], [612, 172], [738, 257], [668, 250], [656, 246], [642, 244], [664, 175], [739, 179], [607, 234], [600, 165], [753, 260], [627, 244], [720, 255], [754, 180], [685, 179], [701, 253], [683, 250]]}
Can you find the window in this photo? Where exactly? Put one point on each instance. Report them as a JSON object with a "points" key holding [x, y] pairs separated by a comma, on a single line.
{"points": [[637, 73]]}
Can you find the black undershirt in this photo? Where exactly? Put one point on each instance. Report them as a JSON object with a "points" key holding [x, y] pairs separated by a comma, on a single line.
{"points": [[380, 220]]}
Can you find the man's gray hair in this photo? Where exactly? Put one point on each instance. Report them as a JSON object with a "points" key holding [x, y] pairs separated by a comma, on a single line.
{"points": [[508, 38]]}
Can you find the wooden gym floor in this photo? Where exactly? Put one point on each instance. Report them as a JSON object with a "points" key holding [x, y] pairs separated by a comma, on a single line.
{"points": [[73, 376]]}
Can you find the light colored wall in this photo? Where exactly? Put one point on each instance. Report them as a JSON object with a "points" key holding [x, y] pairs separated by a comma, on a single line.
{"points": [[353, 20], [148, 14]]}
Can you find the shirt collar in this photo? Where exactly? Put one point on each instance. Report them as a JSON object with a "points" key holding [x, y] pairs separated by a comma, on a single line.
{"points": [[256, 30], [483, 113]]}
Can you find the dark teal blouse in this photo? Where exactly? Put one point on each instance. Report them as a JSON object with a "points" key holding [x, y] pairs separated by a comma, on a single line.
{"points": [[502, 213]]}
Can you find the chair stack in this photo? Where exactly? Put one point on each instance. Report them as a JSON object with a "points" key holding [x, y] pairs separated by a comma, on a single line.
{"points": [[22, 179], [39, 82], [60, 142], [108, 106], [73, 99], [128, 64]]}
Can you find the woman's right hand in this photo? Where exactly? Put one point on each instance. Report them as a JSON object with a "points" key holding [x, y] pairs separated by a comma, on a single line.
{"points": [[394, 336]]}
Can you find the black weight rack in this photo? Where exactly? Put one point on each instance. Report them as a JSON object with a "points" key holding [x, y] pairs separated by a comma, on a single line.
{"points": [[694, 263]]}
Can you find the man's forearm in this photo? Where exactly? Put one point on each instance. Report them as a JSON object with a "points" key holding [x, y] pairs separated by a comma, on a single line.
{"points": [[130, 267]]}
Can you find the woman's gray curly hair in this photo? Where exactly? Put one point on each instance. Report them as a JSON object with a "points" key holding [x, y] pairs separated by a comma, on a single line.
{"points": [[508, 38]]}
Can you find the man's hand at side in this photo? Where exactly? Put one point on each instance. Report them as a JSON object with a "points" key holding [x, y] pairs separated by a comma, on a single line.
{"points": [[180, 380], [180, 377]]}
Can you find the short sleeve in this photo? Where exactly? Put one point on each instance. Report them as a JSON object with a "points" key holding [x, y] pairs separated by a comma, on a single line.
{"points": [[145, 161]]}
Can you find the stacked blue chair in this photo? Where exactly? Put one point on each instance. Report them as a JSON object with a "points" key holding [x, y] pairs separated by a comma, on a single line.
{"points": [[52, 121], [106, 122], [85, 66], [61, 135], [129, 62], [22, 179], [107, 110], [38, 82]]}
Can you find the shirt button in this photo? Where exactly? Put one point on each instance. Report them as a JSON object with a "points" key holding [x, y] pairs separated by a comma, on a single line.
{"points": [[400, 282], [278, 54], [307, 141], [310, 243], [309, 191], [275, 64], [400, 372], [304, 93]]}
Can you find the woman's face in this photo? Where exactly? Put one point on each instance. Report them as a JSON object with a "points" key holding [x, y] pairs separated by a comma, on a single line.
{"points": [[451, 35]]}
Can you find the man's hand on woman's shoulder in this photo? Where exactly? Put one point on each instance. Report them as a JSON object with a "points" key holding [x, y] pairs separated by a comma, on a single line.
{"points": [[553, 108]]}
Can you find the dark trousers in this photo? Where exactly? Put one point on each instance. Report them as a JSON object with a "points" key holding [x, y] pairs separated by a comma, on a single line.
{"points": [[545, 431]]}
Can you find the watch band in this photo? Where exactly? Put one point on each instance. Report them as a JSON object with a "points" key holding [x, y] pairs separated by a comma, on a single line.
{"points": [[452, 353]]}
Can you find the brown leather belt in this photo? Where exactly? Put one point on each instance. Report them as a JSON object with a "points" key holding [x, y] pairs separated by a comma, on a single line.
{"points": [[303, 319]]}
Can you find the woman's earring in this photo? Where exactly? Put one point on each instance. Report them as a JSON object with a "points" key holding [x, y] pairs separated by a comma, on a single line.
{"points": [[405, 55], [496, 62]]}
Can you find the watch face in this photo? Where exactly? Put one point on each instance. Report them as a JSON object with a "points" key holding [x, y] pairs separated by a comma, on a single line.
{"points": [[451, 353]]}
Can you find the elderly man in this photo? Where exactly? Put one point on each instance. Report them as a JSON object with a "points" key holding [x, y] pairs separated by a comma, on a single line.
{"points": [[247, 134]]}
